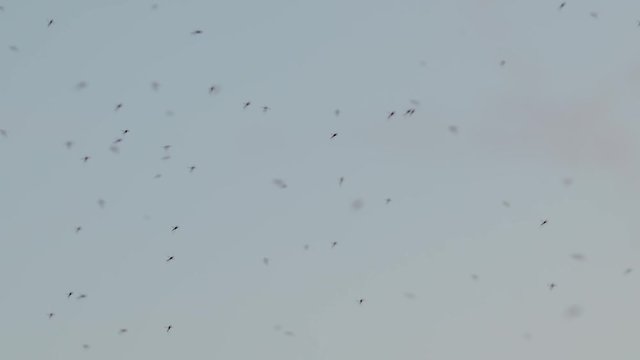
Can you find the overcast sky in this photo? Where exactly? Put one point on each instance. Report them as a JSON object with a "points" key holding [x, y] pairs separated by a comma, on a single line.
{"points": [[446, 270]]}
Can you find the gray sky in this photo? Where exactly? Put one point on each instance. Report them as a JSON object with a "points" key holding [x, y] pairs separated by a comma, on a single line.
{"points": [[563, 106]]}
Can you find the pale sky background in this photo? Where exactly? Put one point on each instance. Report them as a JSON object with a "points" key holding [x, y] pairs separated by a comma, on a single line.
{"points": [[565, 105]]}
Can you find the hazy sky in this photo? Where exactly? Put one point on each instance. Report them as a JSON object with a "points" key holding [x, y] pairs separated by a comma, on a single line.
{"points": [[563, 106]]}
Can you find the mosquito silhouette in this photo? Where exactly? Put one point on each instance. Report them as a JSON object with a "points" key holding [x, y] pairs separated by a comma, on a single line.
{"points": [[280, 183]]}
